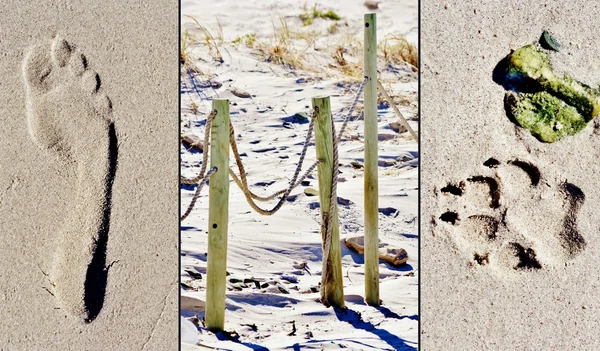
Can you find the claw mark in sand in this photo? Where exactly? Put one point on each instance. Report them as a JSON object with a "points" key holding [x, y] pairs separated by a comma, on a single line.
{"points": [[70, 116]]}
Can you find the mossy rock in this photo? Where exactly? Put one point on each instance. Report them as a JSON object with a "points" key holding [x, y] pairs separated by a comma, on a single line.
{"points": [[555, 107], [547, 117]]}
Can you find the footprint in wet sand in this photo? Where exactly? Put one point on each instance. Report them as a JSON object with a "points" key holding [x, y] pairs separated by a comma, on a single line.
{"points": [[510, 217], [70, 116]]}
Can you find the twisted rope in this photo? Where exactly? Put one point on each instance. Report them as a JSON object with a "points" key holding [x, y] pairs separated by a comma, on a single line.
{"points": [[208, 126], [314, 165], [361, 87], [244, 182], [277, 193], [197, 192]]}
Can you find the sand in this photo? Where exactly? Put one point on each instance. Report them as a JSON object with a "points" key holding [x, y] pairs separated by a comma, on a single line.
{"points": [[519, 273], [88, 172], [283, 252]]}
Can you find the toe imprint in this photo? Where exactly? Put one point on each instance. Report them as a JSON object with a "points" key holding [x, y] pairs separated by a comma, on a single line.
{"points": [[90, 81], [61, 52], [494, 189], [78, 64], [522, 239]]}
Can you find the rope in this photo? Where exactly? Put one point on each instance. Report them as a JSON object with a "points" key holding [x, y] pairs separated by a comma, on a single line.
{"points": [[277, 193], [314, 165], [328, 219], [244, 183], [352, 107], [197, 192], [196, 179]]}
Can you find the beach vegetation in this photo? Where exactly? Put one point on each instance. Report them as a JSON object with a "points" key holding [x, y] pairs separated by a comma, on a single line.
{"points": [[247, 39], [308, 17], [396, 49], [213, 39]]}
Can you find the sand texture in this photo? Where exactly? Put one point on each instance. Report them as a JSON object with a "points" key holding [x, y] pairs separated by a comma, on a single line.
{"points": [[275, 262], [88, 172], [509, 223]]}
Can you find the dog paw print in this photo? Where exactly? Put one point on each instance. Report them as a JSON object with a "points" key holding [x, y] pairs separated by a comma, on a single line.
{"points": [[509, 216]]}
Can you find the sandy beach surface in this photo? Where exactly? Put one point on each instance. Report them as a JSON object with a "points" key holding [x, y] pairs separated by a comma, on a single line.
{"points": [[88, 176], [520, 274], [282, 253]]}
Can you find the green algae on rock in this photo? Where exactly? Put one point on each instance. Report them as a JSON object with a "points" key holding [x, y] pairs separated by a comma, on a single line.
{"points": [[547, 117], [530, 62], [557, 107]]}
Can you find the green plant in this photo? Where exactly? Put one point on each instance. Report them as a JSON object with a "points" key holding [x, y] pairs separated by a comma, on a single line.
{"points": [[248, 39], [333, 28], [559, 106], [184, 53], [308, 17]]}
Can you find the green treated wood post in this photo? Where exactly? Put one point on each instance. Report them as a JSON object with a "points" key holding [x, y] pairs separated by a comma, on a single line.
{"points": [[334, 289], [371, 183], [218, 212]]}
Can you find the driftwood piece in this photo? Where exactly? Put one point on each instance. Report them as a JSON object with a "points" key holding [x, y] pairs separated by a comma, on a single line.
{"points": [[192, 141], [193, 304], [392, 255]]}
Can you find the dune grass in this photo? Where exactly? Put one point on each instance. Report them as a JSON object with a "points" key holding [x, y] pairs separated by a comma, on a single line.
{"points": [[396, 49], [212, 41], [306, 49], [285, 47]]}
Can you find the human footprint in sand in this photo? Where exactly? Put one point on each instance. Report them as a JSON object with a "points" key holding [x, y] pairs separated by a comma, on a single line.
{"points": [[68, 115]]}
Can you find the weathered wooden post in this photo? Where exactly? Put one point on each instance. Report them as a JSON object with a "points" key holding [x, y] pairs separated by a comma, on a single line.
{"points": [[218, 212], [332, 292], [371, 184]]}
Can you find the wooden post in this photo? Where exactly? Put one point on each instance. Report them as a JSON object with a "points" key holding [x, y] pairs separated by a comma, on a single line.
{"points": [[218, 211], [334, 289], [371, 186]]}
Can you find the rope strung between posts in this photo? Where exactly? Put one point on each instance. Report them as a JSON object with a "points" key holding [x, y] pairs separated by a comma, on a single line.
{"points": [[197, 192], [293, 183], [243, 183], [196, 179], [200, 177], [361, 87], [277, 193]]}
